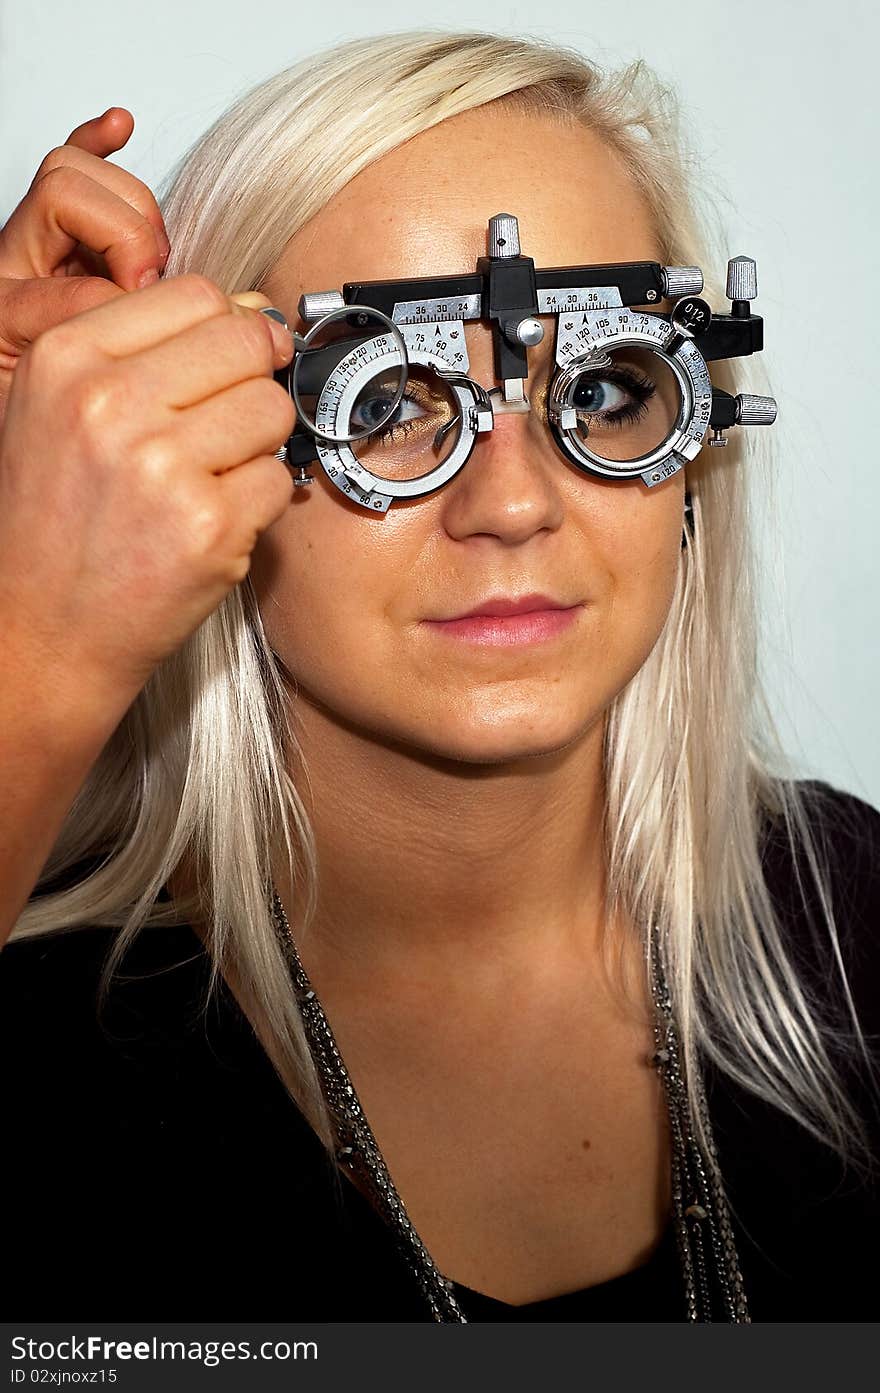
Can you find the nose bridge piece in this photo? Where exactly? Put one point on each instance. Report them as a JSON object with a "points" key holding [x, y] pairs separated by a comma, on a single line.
{"points": [[509, 399], [530, 436]]}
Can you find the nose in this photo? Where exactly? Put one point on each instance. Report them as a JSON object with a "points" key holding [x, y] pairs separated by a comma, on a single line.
{"points": [[510, 487]]}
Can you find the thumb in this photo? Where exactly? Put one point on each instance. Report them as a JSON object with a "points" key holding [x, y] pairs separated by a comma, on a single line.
{"points": [[101, 135], [29, 307], [252, 299]]}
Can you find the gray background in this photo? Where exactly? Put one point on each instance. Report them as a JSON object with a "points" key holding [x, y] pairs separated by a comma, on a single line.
{"points": [[781, 97]]}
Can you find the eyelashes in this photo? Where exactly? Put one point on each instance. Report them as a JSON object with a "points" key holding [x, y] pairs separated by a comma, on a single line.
{"points": [[412, 408]]}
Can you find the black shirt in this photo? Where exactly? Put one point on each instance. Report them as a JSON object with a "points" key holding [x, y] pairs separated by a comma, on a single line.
{"points": [[156, 1169]]}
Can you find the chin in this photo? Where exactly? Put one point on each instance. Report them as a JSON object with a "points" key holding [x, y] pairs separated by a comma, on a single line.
{"points": [[496, 742]]}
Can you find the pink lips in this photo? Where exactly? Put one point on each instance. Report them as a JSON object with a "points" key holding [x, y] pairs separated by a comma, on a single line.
{"points": [[531, 626], [500, 605]]}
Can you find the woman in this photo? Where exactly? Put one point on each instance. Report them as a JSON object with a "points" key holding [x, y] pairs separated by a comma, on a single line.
{"points": [[477, 853]]}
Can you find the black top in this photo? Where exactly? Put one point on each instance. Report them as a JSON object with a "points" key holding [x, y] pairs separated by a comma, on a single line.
{"points": [[156, 1169]]}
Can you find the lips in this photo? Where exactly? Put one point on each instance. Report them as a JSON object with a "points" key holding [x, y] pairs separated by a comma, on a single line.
{"points": [[502, 606], [506, 631]]}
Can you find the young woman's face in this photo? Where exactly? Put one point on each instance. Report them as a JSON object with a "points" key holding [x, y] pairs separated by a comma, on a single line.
{"points": [[345, 594]]}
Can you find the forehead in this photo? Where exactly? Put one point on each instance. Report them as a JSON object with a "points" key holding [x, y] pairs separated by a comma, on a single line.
{"points": [[423, 208]]}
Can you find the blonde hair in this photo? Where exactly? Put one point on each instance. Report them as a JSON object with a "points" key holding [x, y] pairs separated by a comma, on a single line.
{"points": [[206, 760]]}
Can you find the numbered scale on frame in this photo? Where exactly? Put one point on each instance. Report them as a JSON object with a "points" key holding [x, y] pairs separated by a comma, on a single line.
{"points": [[387, 406]]}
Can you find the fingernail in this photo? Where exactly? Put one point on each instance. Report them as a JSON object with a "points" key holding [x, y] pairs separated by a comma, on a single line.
{"points": [[272, 313], [280, 331], [148, 277]]}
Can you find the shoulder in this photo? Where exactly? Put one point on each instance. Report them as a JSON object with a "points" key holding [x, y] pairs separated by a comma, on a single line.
{"points": [[843, 822], [845, 834], [63, 1034], [55, 1018], [166, 1115], [67, 958], [798, 1217], [161, 1055], [62, 969]]}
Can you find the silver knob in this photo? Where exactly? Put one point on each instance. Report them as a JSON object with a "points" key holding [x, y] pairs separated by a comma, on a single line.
{"points": [[528, 331], [755, 411], [742, 278], [681, 280], [315, 306], [503, 235]]}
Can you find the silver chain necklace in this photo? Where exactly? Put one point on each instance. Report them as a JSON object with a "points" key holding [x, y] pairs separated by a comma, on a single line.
{"points": [[712, 1281]]}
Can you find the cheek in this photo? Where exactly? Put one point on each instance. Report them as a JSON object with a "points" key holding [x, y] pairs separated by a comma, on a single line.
{"points": [[340, 599], [325, 585], [638, 557]]}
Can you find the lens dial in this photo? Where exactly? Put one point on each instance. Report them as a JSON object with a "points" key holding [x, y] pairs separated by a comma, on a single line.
{"points": [[629, 397]]}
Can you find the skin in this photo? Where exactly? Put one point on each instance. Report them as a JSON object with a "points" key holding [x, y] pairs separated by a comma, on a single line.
{"points": [[457, 794], [478, 753]]}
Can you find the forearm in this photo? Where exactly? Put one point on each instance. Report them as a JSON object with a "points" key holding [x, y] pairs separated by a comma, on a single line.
{"points": [[51, 733]]}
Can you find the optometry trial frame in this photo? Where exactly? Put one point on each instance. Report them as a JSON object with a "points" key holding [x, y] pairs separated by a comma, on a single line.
{"points": [[369, 343]]}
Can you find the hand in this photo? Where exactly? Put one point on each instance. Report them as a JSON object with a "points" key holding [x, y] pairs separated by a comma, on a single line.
{"points": [[137, 471], [84, 232]]}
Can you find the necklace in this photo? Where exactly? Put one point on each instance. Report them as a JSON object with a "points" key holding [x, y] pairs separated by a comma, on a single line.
{"points": [[712, 1281]]}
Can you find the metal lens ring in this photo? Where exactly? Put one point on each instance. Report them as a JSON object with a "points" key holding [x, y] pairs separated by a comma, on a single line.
{"points": [[561, 405], [302, 343], [473, 412], [588, 343]]}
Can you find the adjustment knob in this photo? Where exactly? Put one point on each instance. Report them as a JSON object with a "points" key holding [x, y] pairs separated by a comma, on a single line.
{"points": [[742, 278], [755, 411], [315, 306], [681, 280], [529, 332], [503, 235]]}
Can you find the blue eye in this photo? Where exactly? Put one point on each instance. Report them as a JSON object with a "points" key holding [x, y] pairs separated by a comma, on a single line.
{"points": [[368, 411], [592, 394], [613, 397]]}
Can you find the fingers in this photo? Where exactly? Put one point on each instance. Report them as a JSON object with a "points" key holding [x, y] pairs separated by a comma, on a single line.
{"points": [[253, 299], [66, 206], [165, 311], [138, 240], [257, 493], [217, 354], [252, 417], [274, 317], [101, 135], [29, 307], [277, 322]]}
